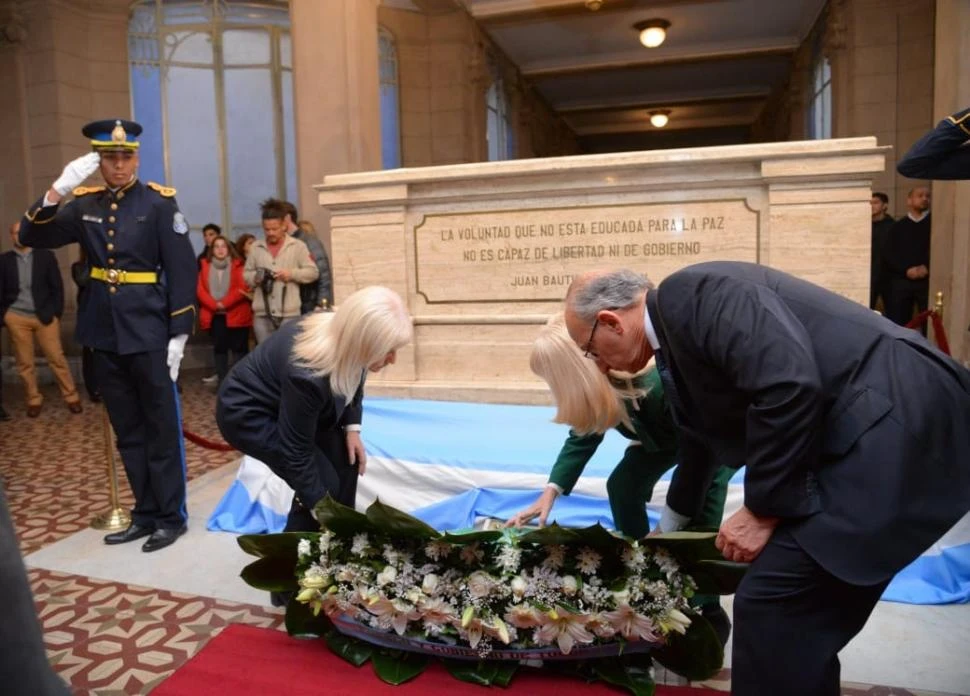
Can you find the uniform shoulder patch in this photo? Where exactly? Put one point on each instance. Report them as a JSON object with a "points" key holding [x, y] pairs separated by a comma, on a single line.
{"points": [[85, 190], [179, 223], [166, 191]]}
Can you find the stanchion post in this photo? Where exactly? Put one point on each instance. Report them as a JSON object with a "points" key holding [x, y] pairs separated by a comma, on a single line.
{"points": [[938, 304], [116, 518]]}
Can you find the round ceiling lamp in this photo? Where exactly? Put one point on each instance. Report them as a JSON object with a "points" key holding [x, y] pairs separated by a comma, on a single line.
{"points": [[653, 32], [659, 119]]}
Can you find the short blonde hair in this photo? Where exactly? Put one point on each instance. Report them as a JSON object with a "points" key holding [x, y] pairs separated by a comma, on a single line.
{"points": [[585, 399], [366, 326]]}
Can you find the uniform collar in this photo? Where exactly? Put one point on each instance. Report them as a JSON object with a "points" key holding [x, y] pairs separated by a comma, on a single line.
{"points": [[120, 192]]}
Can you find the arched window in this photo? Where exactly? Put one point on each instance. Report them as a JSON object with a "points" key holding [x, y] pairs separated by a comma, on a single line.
{"points": [[212, 83], [820, 104], [390, 101], [498, 130]]}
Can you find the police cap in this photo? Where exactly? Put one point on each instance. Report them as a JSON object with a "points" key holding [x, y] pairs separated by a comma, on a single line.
{"points": [[113, 134]]}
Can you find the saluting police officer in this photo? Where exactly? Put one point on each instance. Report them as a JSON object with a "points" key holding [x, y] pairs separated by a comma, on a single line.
{"points": [[136, 314]]}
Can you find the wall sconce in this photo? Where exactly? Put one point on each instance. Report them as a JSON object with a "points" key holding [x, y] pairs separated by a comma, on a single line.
{"points": [[659, 118], [653, 32], [593, 5]]}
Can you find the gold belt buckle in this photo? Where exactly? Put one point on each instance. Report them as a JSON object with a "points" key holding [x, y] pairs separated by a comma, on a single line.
{"points": [[113, 276]]}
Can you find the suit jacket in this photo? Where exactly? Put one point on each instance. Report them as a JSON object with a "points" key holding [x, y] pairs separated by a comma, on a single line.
{"points": [[853, 430], [942, 153], [46, 287], [275, 405]]}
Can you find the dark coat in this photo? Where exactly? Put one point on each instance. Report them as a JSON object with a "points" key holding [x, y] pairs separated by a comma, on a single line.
{"points": [[275, 411], [942, 153], [47, 288], [853, 429]]}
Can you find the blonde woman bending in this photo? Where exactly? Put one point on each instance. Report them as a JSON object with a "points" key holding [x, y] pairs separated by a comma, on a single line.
{"points": [[295, 402]]}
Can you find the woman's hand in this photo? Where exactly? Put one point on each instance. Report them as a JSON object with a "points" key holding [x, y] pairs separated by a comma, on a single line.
{"points": [[541, 508], [356, 452]]}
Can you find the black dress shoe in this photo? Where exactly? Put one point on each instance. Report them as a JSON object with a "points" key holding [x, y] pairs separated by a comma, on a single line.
{"points": [[133, 532], [719, 620], [4, 416], [161, 538]]}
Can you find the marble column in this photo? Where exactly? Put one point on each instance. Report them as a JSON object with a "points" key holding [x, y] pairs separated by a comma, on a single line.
{"points": [[950, 252], [336, 93]]}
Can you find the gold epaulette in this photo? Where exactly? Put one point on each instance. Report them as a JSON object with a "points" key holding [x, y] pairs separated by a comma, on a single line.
{"points": [[85, 190], [166, 191]]}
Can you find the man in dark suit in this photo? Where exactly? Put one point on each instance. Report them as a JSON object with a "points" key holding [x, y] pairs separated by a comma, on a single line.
{"points": [[855, 433], [31, 304], [943, 153]]}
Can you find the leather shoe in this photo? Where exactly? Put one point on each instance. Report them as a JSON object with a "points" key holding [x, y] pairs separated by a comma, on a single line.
{"points": [[4, 416], [161, 538], [133, 532], [33, 411], [719, 621], [75, 407]]}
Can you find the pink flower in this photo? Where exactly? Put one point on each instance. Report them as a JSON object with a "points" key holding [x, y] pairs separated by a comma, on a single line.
{"points": [[523, 616], [631, 625], [565, 629], [394, 613]]}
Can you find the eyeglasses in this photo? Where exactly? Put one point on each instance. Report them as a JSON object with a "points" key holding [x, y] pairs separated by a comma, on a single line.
{"points": [[588, 352]]}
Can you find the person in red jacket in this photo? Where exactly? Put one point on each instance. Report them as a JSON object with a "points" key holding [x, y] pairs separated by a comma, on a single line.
{"points": [[224, 306]]}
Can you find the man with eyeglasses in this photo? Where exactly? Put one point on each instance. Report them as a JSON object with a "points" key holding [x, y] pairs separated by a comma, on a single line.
{"points": [[838, 415]]}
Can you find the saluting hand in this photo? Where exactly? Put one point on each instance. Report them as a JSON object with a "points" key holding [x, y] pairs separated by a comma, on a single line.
{"points": [[744, 535], [76, 172]]}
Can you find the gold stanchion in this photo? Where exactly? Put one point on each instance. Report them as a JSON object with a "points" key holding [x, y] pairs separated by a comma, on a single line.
{"points": [[938, 305], [116, 518]]}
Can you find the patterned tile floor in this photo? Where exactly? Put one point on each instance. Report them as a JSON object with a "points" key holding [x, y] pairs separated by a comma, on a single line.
{"points": [[106, 637]]}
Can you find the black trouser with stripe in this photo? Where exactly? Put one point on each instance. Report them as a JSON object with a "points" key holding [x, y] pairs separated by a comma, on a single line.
{"points": [[143, 406]]}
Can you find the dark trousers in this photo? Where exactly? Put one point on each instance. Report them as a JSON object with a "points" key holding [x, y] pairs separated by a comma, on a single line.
{"points": [[144, 410], [227, 339], [24, 669], [791, 619], [87, 372], [903, 294]]}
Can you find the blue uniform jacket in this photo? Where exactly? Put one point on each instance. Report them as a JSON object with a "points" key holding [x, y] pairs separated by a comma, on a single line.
{"points": [[136, 228], [943, 153]]}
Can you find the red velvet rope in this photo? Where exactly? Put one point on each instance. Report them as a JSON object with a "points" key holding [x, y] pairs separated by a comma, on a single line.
{"points": [[204, 442], [938, 331]]}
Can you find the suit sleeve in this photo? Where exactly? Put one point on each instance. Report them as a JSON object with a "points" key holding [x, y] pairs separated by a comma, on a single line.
{"points": [[56, 285], [354, 412], [942, 153], [181, 269], [747, 332], [301, 403], [575, 454], [50, 227]]}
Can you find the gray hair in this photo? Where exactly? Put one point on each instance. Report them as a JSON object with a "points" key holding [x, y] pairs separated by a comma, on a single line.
{"points": [[613, 290]]}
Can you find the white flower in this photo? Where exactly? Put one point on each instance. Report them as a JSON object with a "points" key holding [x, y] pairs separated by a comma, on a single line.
{"points": [[509, 558], [471, 554], [347, 573], [519, 586], [675, 621], [393, 614], [588, 561], [387, 576], [555, 558], [325, 540], [413, 595], [303, 548], [569, 585], [391, 555], [436, 550], [437, 612], [633, 557], [429, 584], [359, 544], [480, 584]]}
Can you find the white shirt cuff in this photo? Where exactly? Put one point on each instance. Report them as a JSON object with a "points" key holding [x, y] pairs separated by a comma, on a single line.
{"points": [[352, 428], [671, 521], [555, 486]]}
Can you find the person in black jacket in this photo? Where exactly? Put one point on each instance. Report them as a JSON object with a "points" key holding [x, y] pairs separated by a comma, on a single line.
{"points": [[81, 274], [855, 434], [906, 259], [295, 402], [31, 304]]}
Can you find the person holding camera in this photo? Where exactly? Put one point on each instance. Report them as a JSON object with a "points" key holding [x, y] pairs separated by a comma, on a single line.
{"points": [[275, 269]]}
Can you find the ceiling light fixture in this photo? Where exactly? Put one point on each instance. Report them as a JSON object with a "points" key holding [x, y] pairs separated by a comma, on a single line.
{"points": [[593, 5], [652, 31], [659, 119]]}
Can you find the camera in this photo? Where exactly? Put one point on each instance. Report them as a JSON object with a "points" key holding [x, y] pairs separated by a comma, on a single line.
{"points": [[264, 279]]}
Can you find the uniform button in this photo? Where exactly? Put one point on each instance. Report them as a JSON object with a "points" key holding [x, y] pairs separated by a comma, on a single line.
{"points": [[114, 206], [111, 262], [111, 247], [112, 289], [111, 219], [111, 233]]}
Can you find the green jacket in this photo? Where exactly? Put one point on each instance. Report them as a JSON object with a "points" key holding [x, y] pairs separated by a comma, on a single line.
{"points": [[653, 427]]}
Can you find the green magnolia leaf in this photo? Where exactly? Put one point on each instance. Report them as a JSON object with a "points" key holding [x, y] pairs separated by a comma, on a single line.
{"points": [[687, 547], [340, 519], [354, 651], [273, 574], [504, 671], [462, 538], [599, 538], [481, 673], [397, 667], [272, 545], [717, 577], [553, 534], [618, 672], [302, 623], [399, 524], [697, 655]]}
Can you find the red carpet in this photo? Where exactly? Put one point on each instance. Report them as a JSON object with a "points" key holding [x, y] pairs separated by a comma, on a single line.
{"points": [[246, 660]]}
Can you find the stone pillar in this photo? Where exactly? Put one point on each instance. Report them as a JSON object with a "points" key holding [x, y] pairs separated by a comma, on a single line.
{"points": [[950, 252], [336, 93]]}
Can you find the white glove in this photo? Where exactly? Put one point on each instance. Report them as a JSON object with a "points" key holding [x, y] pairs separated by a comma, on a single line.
{"points": [[76, 172], [176, 349]]}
